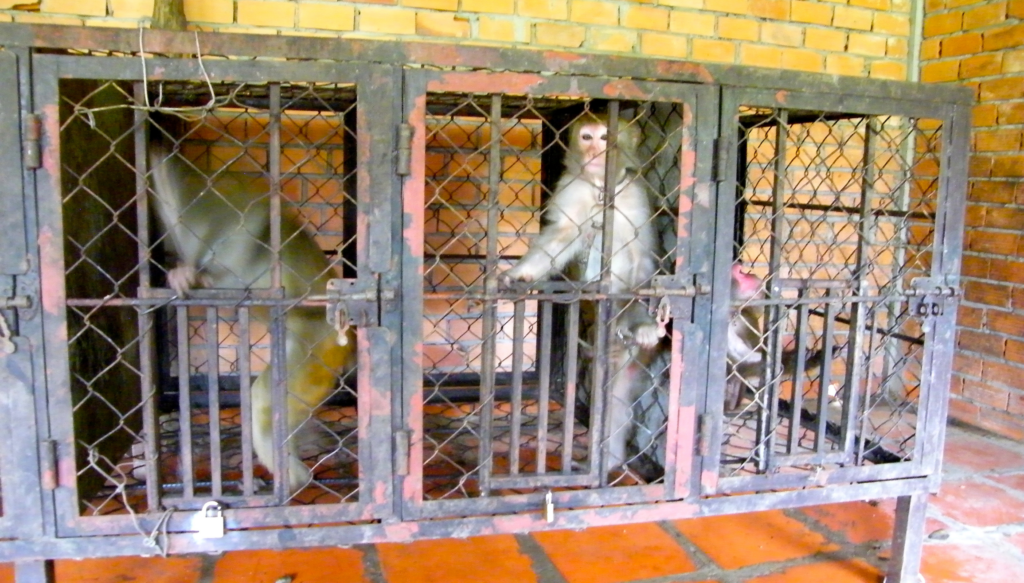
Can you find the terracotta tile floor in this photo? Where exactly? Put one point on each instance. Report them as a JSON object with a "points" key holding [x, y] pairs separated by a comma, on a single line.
{"points": [[976, 527]]}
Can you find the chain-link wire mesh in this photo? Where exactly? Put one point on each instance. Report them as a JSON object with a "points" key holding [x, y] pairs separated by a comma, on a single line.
{"points": [[835, 218], [176, 372]]}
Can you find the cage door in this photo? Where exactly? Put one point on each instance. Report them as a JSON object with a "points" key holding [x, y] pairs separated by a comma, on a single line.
{"points": [[212, 259], [552, 362], [832, 212]]}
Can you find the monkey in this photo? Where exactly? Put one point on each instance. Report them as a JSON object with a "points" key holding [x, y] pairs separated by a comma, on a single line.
{"points": [[745, 347], [573, 231], [219, 230]]}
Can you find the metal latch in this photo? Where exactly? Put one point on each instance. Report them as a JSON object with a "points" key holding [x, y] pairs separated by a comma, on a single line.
{"points": [[351, 302], [931, 295], [210, 523], [549, 507]]}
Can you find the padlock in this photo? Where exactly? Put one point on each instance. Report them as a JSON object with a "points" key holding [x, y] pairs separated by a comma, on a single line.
{"points": [[211, 521]]}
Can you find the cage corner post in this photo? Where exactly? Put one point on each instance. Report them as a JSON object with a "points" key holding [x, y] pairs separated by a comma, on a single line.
{"points": [[907, 539], [34, 571]]}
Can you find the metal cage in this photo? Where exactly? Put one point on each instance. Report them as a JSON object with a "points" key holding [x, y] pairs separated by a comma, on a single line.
{"points": [[322, 330]]}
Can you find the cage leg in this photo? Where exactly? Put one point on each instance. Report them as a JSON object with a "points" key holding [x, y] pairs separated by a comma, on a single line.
{"points": [[908, 539], [34, 572]]}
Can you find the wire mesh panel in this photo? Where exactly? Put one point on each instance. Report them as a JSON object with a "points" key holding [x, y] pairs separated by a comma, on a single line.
{"points": [[546, 352], [833, 238], [212, 234]]}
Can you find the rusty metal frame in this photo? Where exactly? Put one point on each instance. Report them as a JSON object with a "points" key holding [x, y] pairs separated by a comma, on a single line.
{"points": [[375, 401], [36, 523], [696, 169]]}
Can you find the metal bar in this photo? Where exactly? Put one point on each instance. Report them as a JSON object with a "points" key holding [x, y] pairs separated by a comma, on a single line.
{"points": [[427, 54], [855, 339], [279, 403], [147, 336], [571, 380], [825, 380], [536, 480], [213, 388], [798, 379], [908, 538], [544, 385], [849, 210], [767, 411], [38, 571], [489, 350], [513, 522], [516, 415], [244, 352], [601, 405], [187, 473], [274, 171]]}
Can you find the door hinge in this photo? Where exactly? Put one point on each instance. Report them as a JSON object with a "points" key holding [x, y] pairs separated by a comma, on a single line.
{"points": [[403, 442], [30, 143], [405, 133]]}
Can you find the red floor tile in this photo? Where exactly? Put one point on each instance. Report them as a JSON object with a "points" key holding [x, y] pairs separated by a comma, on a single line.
{"points": [[948, 563], [965, 451], [748, 539], [855, 571], [615, 554], [184, 569], [978, 504], [495, 559], [1015, 481], [305, 565], [859, 522]]}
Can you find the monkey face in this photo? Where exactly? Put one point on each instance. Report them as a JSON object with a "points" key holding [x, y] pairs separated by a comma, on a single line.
{"points": [[745, 286], [593, 143]]}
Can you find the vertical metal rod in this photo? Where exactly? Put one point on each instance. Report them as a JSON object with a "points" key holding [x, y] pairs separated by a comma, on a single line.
{"points": [[274, 163], [142, 186], [245, 398], [489, 349], [147, 318], [543, 385], [516, 420], [40, 571], [279, 401], [798, 376], [186, 473], [766, 419], [855, 356], [908, 538], [825, 380], [572, 333], [600, 393], [213, 391], [150, 425]]}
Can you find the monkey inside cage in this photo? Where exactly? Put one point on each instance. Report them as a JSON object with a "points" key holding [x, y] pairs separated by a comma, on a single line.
{"points": [[835, 219], [203, 225], [544, 360]]}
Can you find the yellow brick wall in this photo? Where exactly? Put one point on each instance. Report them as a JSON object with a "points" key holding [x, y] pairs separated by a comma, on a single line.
{"points": [[865, 38]]}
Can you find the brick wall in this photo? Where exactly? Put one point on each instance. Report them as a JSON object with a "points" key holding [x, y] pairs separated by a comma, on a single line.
{"points": [[845, 37], [981, 44]]}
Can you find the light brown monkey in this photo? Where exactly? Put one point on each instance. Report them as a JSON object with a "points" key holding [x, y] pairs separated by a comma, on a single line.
{"points": [[219, 229], [573, 231], [745, 350]]}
